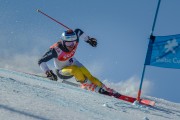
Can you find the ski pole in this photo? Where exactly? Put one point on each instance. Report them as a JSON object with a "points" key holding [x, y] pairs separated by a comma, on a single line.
{"points": [[53, 19]]}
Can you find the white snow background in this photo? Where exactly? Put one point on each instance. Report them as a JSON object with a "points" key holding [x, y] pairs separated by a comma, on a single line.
{"points": [[27, 97]]}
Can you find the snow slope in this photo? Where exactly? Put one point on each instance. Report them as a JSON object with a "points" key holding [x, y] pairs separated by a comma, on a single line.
{"points": [[27, 97]]}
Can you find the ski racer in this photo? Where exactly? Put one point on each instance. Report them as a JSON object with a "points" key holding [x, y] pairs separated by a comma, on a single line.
{"points": [[68, 66]]}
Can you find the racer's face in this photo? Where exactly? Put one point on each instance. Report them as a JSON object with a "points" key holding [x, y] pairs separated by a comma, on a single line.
{"points": [[70, 45]]}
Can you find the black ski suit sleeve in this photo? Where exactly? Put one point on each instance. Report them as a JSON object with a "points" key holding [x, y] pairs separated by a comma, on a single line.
{"points": [[50, 54], [78, 32]]}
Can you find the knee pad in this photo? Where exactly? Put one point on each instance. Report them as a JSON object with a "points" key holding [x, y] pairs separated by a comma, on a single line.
{"points": [[75, 71], [63, 76]]}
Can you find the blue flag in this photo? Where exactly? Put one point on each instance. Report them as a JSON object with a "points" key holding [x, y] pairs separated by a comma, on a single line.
{"points": [[164, 51]]}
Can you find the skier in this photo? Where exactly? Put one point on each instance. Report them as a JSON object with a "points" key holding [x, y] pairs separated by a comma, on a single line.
{"points": [[68, 66]]}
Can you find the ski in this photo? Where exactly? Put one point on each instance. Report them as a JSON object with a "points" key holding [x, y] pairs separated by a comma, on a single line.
{"points": [[132, 100], [122, 97]]}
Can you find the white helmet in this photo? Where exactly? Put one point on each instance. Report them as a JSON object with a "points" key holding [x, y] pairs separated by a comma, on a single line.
{"points": [[69, 35]]}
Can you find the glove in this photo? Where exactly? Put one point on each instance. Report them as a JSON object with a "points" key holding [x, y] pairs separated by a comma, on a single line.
{"points": [[92, 42], [51, 75]]}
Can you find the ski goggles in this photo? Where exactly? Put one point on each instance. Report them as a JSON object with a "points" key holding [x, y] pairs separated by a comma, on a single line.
{"points": [[70, 43]]}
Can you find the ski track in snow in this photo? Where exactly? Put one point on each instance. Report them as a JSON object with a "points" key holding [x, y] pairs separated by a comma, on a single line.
{"points": [[27, 97]]}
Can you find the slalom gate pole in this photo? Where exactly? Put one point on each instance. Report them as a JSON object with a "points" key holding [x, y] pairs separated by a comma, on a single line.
{"points": [[155, 18], [144, 68], [53, 19]]}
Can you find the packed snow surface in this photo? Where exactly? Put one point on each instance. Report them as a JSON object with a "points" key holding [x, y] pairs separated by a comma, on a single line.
{"points": [[28, 97]]}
